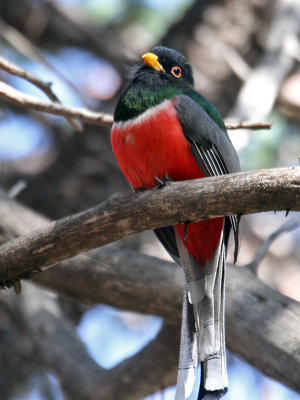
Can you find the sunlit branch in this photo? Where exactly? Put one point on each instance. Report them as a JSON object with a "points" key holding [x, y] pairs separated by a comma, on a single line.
{"points": [[44, 86], [242, 193], [29, 102]]}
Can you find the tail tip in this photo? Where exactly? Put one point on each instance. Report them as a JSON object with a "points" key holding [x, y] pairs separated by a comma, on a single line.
{"points": [[211, 395]]}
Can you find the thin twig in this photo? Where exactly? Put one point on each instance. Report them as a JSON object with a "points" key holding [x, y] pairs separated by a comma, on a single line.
{"points": [[288, 226], [249, 125], [30, 51], [14, 69]]}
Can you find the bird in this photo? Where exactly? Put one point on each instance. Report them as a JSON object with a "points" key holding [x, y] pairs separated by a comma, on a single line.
{"points": [[164, 131]]}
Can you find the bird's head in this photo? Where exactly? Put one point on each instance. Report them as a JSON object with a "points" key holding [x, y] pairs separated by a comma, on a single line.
{"points": [[162, 74], [164, 65]]}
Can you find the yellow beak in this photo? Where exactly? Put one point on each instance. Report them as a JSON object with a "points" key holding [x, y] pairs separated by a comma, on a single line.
{"points": [[151, 60]]}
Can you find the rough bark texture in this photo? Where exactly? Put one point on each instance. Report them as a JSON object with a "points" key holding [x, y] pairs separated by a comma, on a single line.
{"points": [[262, 325], [269, 324], [265, 190]]}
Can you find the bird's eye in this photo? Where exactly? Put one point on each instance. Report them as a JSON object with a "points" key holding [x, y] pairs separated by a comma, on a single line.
{"points": [[176, 71]]}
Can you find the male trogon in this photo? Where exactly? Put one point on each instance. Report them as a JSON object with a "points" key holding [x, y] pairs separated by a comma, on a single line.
{"points": [[164, 128]]}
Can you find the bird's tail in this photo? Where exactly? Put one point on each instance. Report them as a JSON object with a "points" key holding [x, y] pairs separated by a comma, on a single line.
{"points": [[203, 336], [188, 356]]}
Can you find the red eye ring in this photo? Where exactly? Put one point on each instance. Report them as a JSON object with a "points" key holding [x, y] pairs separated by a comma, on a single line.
{"points": [[176, 71]]}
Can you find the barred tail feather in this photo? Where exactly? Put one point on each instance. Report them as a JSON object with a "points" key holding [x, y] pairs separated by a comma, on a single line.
{"points": [[188, 357], [205, 291]]}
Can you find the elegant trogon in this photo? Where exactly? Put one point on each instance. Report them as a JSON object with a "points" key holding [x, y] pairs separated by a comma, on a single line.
{"points": [[164, 129]]}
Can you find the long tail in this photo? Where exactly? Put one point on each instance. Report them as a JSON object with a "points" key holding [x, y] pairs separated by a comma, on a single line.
{"points": [[203, 336], [188, 356]]}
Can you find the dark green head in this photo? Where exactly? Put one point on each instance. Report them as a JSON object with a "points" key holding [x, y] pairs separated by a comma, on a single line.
{"points": [[163, 74]]}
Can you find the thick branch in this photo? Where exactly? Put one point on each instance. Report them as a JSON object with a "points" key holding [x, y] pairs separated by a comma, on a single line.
{"points": [[43, 331], [133, 379], [258, 317], [242, 193]]}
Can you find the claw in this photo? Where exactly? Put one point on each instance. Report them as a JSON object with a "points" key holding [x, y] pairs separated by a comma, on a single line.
{"points": [[163, 181], [140, 189], [160, 183]]}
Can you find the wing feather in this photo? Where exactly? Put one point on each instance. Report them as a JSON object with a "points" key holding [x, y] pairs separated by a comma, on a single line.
{"points": [[214, 153]]}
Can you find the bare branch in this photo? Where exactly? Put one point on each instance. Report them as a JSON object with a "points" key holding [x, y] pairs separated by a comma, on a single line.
{"points": [[256, 314], [242, 193], [273, 67], [237, 64], [44, 86], [29, 50], [29, 102], [288, 226], [44, 332], [248, 125], [133, 379]]}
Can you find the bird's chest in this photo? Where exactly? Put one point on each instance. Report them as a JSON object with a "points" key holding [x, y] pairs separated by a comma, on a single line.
{"points": [[153, 145]]}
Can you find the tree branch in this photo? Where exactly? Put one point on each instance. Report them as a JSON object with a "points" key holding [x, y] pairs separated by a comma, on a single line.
{"points": [[273, 67], [43, 331], [258, 317], [44, 86], [29, 102], [242, 193], [248, 125], [133, 379], [288, 226]]}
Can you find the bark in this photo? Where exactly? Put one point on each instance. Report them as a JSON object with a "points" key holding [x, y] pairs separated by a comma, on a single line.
{"points": [[265, 190], [262, 325], [33, 325]]}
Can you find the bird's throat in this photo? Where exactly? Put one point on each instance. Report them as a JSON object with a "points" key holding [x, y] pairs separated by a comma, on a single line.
{"points": [[137, 99]]}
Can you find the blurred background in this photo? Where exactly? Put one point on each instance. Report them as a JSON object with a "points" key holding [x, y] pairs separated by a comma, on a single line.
{"points": [[245, 55]]}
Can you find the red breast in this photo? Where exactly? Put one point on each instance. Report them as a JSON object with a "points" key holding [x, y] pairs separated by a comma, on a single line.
{"points": [[152, 145]]}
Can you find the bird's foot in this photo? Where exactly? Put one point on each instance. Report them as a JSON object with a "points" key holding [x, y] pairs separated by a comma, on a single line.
{"points": [[163, 181], [140, 189]]}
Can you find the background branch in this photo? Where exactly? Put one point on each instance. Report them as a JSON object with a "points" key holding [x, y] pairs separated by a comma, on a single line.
{"points": [[14, 69], [261, 324], [32, 103], [288, 226], [40, 328]]}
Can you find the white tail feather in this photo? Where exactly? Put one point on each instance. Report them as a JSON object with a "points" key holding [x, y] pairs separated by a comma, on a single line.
{"points": [[205, 291]]}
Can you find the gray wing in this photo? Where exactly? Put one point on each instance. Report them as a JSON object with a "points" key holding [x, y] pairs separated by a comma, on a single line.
{"points": [[214, 154]]}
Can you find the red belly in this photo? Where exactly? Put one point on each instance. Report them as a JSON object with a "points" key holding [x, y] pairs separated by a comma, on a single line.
{"points": [[151, 147]]}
